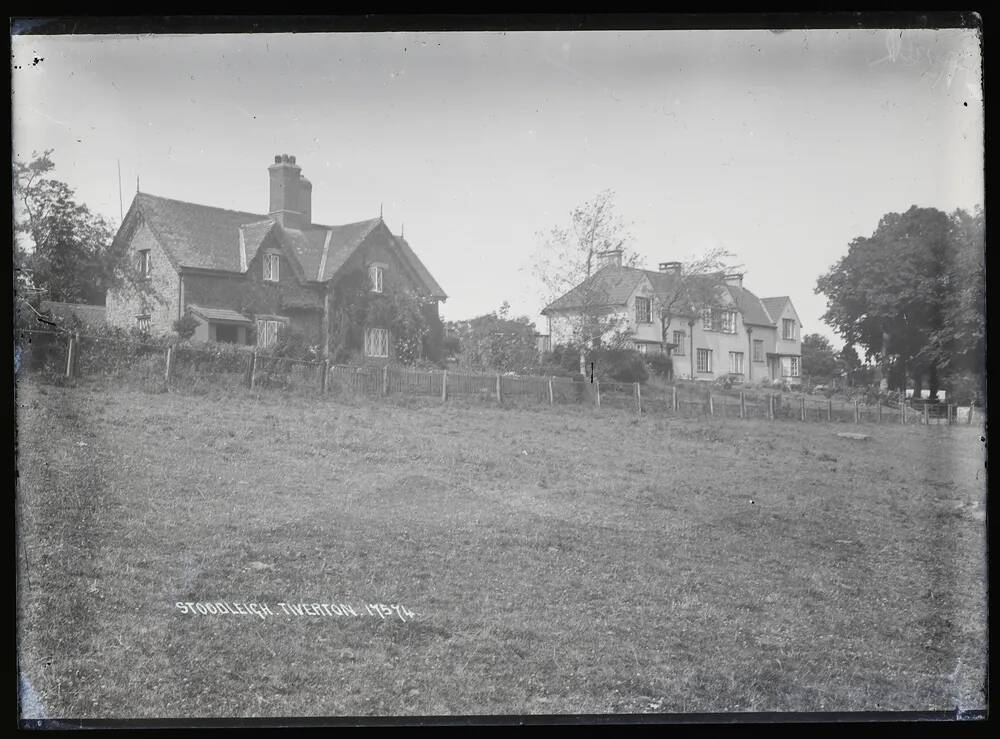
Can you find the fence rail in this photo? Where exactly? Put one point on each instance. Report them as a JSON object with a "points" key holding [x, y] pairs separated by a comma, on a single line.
{"points": [[58, 354]]}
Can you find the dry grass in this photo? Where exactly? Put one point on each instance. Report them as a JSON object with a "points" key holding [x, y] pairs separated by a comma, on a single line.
{"points": [[569, 560]]}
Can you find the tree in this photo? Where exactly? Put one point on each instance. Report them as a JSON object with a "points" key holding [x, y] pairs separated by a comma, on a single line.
{"points": [[694, 287], [67, 250], [568, 256], [892, 294], [495, 341], [818, 357]]}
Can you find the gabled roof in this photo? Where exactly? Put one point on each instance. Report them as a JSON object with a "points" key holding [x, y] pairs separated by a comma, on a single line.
{"points": [[612, 285], [204, 237], [608, 286], [775, 307], [750, 306]]}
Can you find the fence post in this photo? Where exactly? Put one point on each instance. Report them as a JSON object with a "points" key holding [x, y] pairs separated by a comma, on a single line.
{"points": [[638, 396], [324, 368], [902, 409], [878, 418], [69, 356], [385, 379], [743, 405], [253, 368], [166, 371], [802, 407], [927, 416], [857, 411], [829, 409], [597, 392], [770, 406], [499, 399], [552, 399], [673, 398], [444, 386]]}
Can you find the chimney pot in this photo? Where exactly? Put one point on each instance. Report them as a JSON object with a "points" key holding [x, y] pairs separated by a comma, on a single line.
{"points": [[670, 267], [277, 158], [291, 159]]}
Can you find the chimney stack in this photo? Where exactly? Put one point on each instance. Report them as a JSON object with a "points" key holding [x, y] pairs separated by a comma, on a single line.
{"points": [[735, 279], [673, 268], [610, 256], [291, 193]]}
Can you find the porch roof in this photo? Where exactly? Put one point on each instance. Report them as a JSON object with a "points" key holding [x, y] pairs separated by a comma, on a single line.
{"points": [[220, 315]]}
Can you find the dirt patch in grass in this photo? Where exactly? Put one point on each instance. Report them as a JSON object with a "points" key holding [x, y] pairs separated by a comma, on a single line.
{"points": [[563, 560]]}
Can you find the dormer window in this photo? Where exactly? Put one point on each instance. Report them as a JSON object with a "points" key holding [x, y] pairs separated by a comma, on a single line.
{"points": [[271, 265], [788, 329], [375, 275], [144, 265]]}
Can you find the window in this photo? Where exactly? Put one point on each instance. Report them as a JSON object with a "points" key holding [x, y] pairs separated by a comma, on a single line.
{"points": [[679, 339], [736, 363], [706, 319], [375, 275], [728, 322], [142, 323], [704, 360], [267, 332], [758, 350], [271, 264], [789, 366], [719, 320], [376, 342], [788, 329], [643, 310], [641, 348], [144, 265]]}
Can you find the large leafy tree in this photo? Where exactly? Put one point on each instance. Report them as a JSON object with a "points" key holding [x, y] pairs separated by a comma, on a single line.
{"points": [[65, 248], [893, 293], [819, 360], [495, 341]]}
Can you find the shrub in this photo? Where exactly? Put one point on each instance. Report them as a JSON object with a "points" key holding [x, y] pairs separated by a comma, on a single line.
{"points": [[661, 365], [185, 326], [623, 365]]}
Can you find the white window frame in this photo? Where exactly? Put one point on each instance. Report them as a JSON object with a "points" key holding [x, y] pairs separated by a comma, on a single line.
{"points": [[788, 329], [706, 319], [790, 366], [377, 342], [376, 277], [272, 268], [267, 332], [641, 348], [142, 322], [145, 264], [728, 322], [736, 363], [706, 365], [680, 337], [645, 316], [758, 344]]}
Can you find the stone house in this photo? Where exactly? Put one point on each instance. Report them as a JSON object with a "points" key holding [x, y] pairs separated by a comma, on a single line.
{"points": [[739, 335], [247, 278]]}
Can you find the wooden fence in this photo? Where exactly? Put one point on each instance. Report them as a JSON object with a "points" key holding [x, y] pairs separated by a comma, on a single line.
{"points": [[50, 354]]}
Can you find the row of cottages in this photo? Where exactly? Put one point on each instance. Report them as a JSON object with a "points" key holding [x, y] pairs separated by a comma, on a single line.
{"points": [[248, 277], [740, 335]]}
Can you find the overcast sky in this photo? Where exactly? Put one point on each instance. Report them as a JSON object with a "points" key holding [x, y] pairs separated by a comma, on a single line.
{"points": [[780, 147]]}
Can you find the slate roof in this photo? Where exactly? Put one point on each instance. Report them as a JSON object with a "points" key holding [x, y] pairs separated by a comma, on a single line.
{"points": [[219, 314], [612, 285], [206, 237]]}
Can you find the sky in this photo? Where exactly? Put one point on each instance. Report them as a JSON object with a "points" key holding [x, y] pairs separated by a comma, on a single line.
{"points": [[779, 147]]}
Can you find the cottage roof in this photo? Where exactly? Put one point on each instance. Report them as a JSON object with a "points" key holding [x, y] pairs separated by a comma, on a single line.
{"points": [[206, 237]]}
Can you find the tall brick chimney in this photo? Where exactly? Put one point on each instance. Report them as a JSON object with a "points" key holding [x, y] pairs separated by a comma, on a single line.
{"points": [[291, 193]]}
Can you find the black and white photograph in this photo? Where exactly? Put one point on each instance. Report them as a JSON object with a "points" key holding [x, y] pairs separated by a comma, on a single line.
{"points": [[369, 372]]}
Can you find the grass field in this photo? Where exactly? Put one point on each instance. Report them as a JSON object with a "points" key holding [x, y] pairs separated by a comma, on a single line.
{"points": [[570, 560]]}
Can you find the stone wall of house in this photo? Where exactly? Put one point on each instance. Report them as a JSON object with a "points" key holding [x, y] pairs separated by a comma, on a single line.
{"points": [[158, 297]]}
